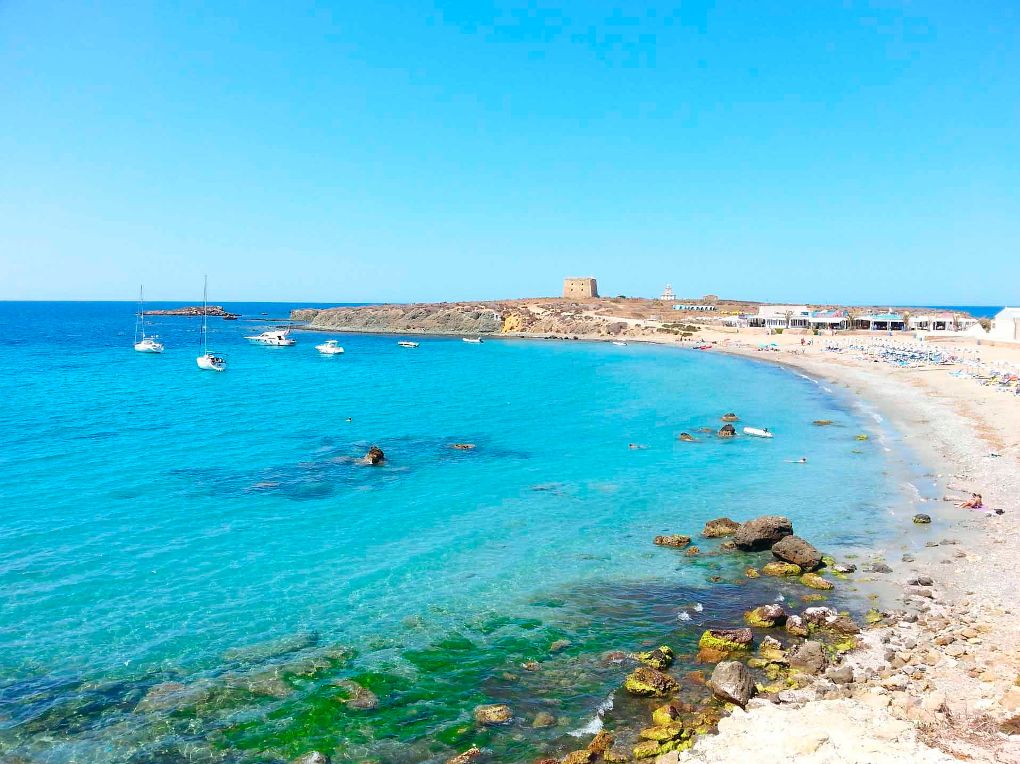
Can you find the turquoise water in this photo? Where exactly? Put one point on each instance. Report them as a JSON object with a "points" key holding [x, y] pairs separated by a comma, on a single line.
{"points": [[159, 521]]}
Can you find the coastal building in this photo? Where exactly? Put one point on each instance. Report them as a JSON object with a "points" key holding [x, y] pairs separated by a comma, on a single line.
{"points": [[1006, 325], [696, 308], [941, 322], [829, 319], [781, 317], [667, 294], [580, 288], [880, 322]]}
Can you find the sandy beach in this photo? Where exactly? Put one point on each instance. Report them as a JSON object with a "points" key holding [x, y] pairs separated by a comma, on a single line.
{"points": [[941, 684]]}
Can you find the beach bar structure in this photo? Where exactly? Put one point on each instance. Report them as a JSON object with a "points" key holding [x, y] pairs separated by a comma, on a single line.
{"points": [[781, 317], [943, 321], [829, 319], [880, 322]]}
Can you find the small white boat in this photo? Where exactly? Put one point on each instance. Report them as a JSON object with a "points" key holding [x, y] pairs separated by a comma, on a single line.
{"points": [[407, 344], [208, 361], [143, 343], [273, 338], [757, 432], [330, 347], [472, 340], [620, 344]]}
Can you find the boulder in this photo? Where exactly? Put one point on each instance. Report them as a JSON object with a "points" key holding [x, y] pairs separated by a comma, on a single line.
{"points": [[844, 567], [490, 715], [677, 541], [730, 417], [877, 567], [731, 681], [692, 551], [661, 658], [375, 456], [781, 569], [796, 550], [721, 526], [795, 626], [665, 715], [766, 616], [601, 743], [650, 683], [808, 657], [762, 532], [815, 581], [719, 644], [582, 756], [922, 519], [819, 615], [727, 431], [686, 437]]}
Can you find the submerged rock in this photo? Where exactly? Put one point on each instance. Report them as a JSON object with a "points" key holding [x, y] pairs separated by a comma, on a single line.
{"points": [[463, 446], [358, 697], [467, 757], [692, 551], [648, 682], [721, 526], [732, 682], [762, 532], [676, 540], [543, 719], [312, 757], [490, 715], [798, 551], [265, 651], [922, 519]]}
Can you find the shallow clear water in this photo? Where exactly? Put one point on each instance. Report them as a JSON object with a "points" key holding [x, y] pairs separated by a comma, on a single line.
{"points": [[156, 517]]}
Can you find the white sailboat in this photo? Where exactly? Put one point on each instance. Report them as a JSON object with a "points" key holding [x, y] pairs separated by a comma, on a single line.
{"points": [[208, 361], [143, 344]]}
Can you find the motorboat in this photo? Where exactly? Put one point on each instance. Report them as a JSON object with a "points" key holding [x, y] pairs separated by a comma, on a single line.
{"points": [[472, 340], [330, 347], [144, 343], [620, 344], [407, 344], [757, 432], [279, 338], [208, 361]]}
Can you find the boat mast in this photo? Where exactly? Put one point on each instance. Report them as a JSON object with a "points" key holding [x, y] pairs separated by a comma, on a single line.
{"points": [[139, 317], [205, 315]]}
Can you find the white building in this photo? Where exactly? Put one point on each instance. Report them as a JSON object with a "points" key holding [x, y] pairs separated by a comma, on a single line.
{"points": [[667, 294], [1006, 325], [880, 322], [696, 308], [942, 322], [781, 317]]}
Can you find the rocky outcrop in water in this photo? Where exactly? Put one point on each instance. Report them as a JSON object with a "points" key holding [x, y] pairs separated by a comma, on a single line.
{"points": [[796, 550], [762, 532]]}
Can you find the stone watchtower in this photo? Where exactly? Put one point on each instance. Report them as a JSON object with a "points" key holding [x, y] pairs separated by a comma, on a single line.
{"points": [[580, 289]]}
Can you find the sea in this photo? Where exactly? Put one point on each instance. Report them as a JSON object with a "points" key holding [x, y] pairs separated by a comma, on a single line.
{"points": [[198, 566]]}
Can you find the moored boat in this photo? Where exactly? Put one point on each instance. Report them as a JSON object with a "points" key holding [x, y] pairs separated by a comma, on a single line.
{"points": [[757, 432], [208, 361], [472, 340], [273, 338], [407, 344], [143, 343], [330, 347]]}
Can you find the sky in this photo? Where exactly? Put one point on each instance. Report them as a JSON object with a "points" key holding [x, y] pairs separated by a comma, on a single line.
{"points": [[818, 151]]}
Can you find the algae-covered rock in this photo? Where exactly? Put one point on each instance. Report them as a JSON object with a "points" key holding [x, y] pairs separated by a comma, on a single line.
{"points": [[732, 682], [762, 532], [798, 551], [662, 733], [665, 715], [582, 756], [660, 658], [616, 755], [313, 757], [752, 573], [765, 616], [543, 719], [357, 697], [862, 436], [781, 569], [721, 526], [872, 616], [922, 519], [718, 644], [490, 715], [601, 743], [559, 645], [795, 626], [692, 551], [676, 540], [648, 682], [467, 757], [815, 581]]}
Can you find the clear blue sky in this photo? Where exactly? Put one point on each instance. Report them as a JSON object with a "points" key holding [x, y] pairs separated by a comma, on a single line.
{"points": [[344, 151]]}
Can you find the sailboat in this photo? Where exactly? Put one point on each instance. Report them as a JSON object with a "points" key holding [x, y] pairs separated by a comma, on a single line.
{"points": [[208, 360], [144, 344]]}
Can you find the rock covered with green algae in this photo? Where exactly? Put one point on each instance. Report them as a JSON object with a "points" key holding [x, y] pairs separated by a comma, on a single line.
{"points": [[778, 569], [661, 658], [650, 683], [497, 713], [766, 616], [815, 581], [466, 757], [357, 696], [718, 644]]}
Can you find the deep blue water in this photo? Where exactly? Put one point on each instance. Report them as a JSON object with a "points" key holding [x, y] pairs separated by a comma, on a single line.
{"points": [[154, 517], [977, 311]]}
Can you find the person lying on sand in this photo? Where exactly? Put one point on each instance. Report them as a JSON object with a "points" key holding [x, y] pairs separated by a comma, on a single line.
{"points": [[974, 502]]}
